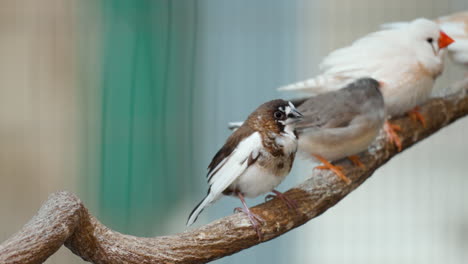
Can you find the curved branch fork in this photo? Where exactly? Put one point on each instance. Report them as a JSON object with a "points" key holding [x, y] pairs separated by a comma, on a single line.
{"points": [[63, 219]]}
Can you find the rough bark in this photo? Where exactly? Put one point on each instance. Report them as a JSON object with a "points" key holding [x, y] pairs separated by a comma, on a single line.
{"points": [[63, 219]]}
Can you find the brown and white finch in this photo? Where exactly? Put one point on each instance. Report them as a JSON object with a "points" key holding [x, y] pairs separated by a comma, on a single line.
{"points": [[405, 60], [255, 158]]}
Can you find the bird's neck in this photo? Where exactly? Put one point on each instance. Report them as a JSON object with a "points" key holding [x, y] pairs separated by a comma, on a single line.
{"points": [[431, 65]]}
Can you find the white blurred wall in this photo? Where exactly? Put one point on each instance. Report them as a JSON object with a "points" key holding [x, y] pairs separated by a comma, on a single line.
{"points": [[415, 208]]}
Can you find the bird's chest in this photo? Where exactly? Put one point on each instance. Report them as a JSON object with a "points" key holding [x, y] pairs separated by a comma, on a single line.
{"points": [[269, 170], [264, 175], [284, 143], [405, 93]]}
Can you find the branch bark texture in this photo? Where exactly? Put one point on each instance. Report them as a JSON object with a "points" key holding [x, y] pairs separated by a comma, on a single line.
{"points": [[63, 219]]}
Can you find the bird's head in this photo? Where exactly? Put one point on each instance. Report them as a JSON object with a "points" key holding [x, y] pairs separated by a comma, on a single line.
{"points": [[429, 36], [276, 116], [429, 44]]}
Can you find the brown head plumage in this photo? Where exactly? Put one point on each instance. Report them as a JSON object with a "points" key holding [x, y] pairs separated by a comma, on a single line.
{"points": [[269, 119]]}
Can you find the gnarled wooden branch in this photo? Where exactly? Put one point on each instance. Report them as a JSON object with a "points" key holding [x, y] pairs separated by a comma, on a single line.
{"points": [[63, 219]]}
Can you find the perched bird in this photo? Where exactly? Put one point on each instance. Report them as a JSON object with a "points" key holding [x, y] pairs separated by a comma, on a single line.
{"points": [[455, 25], [255, 158], [406, 61], [341, 123]]}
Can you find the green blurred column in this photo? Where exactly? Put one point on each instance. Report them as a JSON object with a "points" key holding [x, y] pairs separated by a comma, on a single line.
{"points": [[145, 108]]}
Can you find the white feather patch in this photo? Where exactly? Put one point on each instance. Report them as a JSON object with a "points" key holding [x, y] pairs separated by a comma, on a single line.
{"points": [[235, 164]]}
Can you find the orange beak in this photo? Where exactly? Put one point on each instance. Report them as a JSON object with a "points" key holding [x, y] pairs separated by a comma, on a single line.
{"points": [[444, 40]]}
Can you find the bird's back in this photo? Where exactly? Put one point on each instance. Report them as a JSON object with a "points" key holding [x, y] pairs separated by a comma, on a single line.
{"points": [[341, 123], [338, 108], [375, 55]]}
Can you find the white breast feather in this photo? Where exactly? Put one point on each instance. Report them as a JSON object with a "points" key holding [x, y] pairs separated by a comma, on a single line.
{"points": [[287, 140]]}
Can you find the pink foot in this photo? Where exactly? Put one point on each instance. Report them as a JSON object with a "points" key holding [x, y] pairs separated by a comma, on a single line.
{"points": [[255, 220], [289, 202]]}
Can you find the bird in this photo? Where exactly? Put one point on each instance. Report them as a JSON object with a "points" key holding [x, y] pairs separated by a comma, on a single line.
{"points": [[254, 159], [405, 60], [341, 123]]}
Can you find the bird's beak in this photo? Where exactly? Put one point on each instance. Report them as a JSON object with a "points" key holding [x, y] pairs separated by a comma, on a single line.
{"points": [[294, 115], [444, 40]]}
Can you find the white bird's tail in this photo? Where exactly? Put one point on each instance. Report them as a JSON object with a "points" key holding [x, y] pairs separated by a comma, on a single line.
{"points": [[317, 85], [394, 25], [209, 199]]}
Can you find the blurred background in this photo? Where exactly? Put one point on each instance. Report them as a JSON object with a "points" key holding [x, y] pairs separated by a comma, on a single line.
{"points": [[126, 102]]}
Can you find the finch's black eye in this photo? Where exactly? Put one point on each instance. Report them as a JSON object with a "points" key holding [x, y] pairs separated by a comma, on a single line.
{"points": [[278, 115], [430, 40]]}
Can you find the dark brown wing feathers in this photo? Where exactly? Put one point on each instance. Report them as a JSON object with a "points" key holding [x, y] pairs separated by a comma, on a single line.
{"points": [[231, 143]]}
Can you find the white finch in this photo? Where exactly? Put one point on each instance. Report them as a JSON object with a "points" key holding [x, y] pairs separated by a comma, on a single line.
{"points": [[406, 61]]}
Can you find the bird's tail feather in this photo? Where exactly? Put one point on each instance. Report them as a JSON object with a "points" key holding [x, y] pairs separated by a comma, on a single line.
{"points": [[234, 125], [313, 86], [394, 25], [199, 208]]}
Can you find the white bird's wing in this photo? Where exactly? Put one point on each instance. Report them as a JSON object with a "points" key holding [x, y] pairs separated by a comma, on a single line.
{"points": [[228, 170], [235, 164], [364, 58], [458, 30]]}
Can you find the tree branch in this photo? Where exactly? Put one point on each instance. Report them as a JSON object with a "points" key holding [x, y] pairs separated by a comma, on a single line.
{"points": [[63, 219]]}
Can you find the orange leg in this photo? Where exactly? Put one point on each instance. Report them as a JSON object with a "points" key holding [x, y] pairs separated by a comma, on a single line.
{"points": [[392, 136], [328, 166], [356, 161], [417, 116]]}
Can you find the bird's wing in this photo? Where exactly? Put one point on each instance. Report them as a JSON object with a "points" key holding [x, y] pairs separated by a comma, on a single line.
{"points": [[340, 108], [235, 164], [458, 30], [364, 58], [228, 169], [320, 84], [220, 158]]}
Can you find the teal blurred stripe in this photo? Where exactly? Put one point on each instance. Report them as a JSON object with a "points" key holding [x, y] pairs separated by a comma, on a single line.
{"points": [[146, 126]]}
